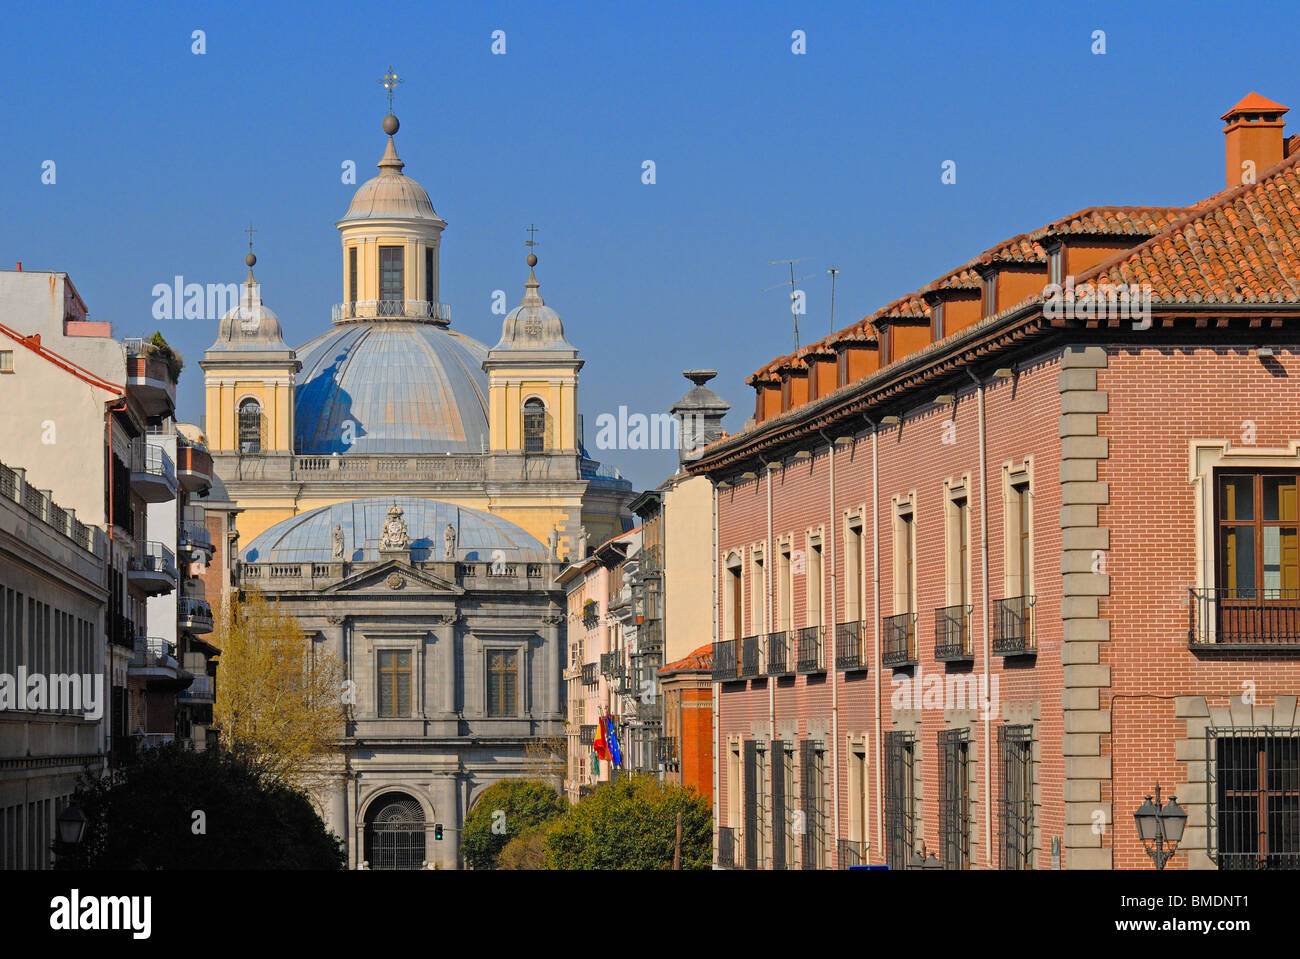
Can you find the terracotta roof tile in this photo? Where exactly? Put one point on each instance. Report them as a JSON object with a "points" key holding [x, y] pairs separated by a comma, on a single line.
{"points": [[701, 659]]}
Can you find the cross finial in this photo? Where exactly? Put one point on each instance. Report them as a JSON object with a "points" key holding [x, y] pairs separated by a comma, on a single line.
{"points": [[390, 80], [250, 231], [532, 231]]}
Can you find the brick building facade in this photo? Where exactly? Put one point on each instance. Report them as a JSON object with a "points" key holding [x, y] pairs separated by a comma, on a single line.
{"points": [[994, 561]]}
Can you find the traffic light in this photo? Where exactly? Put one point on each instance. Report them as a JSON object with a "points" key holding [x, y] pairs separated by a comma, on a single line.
{"points": [[437, 831]]}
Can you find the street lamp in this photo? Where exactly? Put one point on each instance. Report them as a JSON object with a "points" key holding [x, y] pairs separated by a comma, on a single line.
{"points": [[1160, 827], [71, 824]]}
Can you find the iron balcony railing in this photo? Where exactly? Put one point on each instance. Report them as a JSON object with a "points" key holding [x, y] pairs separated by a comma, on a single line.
{"points": [[848, 852], [157, 558], [200, 689], [751, 658], [809, 658], [952, 639], [724, 660], [153, 651], [849, 653], [194, 609], [122, 631], [726, 847], [1012, 626], [408, 309], [898, 640], [589, 677], [779, 659], [194, 535], [154, 461], [669, 753], [611, 665], [586, 735], [1236, 617]]}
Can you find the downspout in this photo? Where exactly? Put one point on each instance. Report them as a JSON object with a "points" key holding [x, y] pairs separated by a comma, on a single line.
{"points": [[984, 576], [106, 740], [829, 630], [717, 686], [770, 554], [875, 586]]}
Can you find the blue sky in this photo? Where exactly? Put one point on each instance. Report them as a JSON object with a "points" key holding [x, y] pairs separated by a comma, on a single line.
{"points": [[164, 156]]}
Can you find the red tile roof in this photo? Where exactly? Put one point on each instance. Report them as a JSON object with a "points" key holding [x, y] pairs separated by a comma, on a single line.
{"points": [[1253, 103], [699, 661]]}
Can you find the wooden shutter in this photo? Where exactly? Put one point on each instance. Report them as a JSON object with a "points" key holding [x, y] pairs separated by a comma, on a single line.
{"points": [[751, 798]]}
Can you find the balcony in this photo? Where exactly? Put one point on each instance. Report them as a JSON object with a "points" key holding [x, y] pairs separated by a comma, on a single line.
{"points": [[849, 852], [194, 615], [153, 477], [952, 639], [669, 753], [724, 661], [849, 651], [153, 569], [150, 376], [1244, 618], [382, 467], [809, 658], [193, 536], [193, 467], [155, 661], [589, 677], [898, 640], [121, 631], [363, 310], [202, 690], [751, 657], [778, 654], [586, 735], [1012, 627], [726, 848]]}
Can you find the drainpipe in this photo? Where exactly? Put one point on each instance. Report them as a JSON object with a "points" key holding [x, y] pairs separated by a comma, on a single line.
{"points": [[717, 687], [875, 586], [770, 555], [835, 687], [984, 576]]}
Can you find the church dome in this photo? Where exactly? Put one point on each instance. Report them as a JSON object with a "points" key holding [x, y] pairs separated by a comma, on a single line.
{"points": [[251, 325], [403, 387], [309, 537]]}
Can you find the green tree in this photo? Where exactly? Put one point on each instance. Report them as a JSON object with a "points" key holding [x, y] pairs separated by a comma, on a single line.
{"points": [[175, 808], [527, 850], [505, 810], [632, 824]]}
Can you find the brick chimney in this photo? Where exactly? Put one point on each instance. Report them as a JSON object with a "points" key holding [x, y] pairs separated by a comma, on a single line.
{"points": [[1254, 140]]}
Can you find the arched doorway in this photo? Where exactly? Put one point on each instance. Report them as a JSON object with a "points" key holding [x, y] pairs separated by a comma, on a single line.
{"points": [[395, 833]]}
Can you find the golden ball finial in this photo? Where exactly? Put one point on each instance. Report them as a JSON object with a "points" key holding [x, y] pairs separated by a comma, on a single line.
{"points": [[531, 260]]}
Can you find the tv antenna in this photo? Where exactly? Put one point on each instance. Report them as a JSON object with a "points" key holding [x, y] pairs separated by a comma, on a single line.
{"points": [[834, 272], [794, 294]]}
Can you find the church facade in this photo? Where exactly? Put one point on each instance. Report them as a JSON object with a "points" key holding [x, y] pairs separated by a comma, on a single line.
{"points": [[410, 494]]}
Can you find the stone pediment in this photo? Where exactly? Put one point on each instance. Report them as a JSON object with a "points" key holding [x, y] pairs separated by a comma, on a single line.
{"points": [[394, 576]]}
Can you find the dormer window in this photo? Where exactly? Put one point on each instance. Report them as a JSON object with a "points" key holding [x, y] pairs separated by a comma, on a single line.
{"points": [[990, 293], [936, 320], [1054, 264]]}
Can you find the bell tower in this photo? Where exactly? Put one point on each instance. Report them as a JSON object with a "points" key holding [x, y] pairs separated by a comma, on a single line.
{"points": [[248, 376]]}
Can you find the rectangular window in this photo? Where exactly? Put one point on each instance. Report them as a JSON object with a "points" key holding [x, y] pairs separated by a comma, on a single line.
{"points": [[853, 572], [858, 796], [784, 591], [905, 562], [761, 800], [503, 682], [757, 595], [936, 320], [352, 274], [1054, 265], [783, 805], [1254, 800], [394, 683], [6, 361], [735, 788], [954, 798], [990, 294], [812, 781], [1016, 820], [733, 624], [1019, 556], [428, 276], [392, 287], [751, 834], [813, 608], [1257, 548], [900, 798]]}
